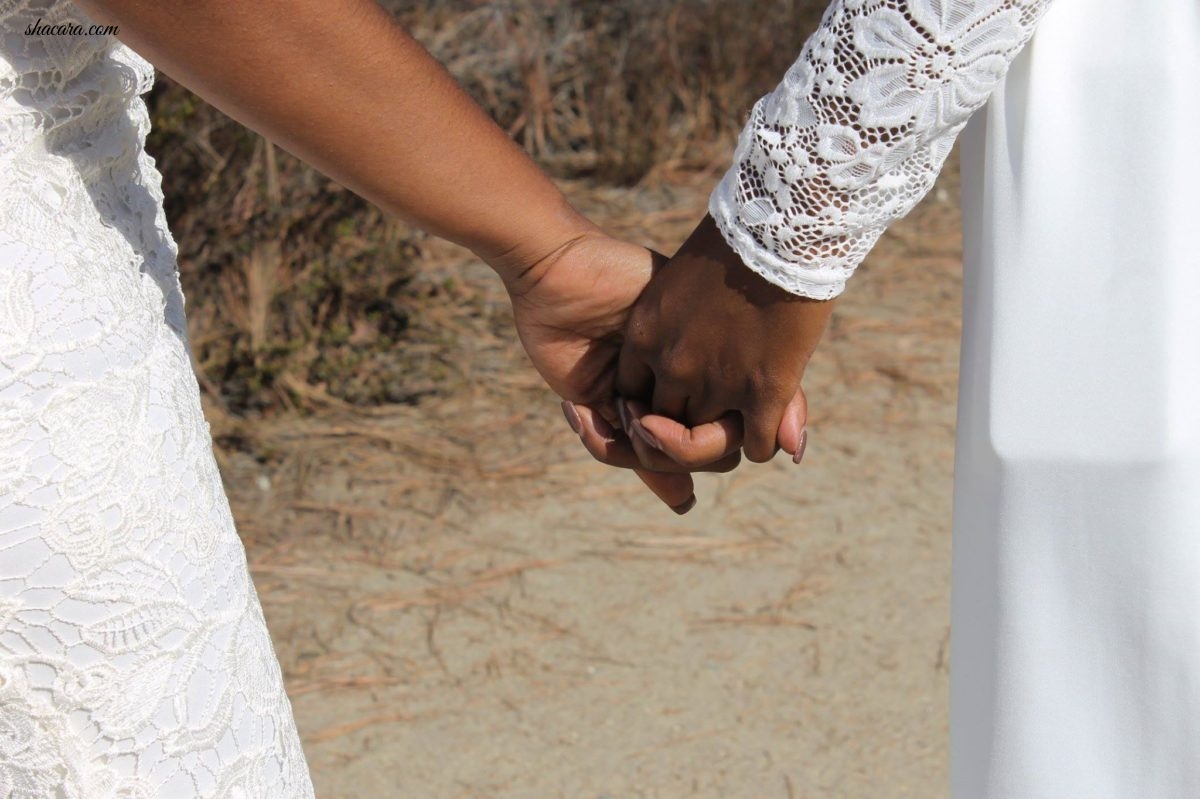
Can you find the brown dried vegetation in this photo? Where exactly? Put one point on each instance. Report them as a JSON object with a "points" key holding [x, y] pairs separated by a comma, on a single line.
{"points": [[301, 294]]}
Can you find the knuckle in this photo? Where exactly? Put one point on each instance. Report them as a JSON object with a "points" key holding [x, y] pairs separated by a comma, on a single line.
{"points": [[728, 464], [758, 454], [766, 384], [640, 332], [679, 362]]}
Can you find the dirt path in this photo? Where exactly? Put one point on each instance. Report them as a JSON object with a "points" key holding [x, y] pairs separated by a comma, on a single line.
{"points": [[466, 605]]}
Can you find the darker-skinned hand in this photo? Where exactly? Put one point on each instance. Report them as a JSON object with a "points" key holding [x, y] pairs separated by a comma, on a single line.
{"points": [[709, 339]]}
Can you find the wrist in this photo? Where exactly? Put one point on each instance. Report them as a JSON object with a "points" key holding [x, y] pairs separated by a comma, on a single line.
{"points": [[707, 238], [522, 252]]}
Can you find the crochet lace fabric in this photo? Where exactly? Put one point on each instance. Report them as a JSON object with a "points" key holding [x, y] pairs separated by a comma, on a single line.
{"points": [[858, 130]]}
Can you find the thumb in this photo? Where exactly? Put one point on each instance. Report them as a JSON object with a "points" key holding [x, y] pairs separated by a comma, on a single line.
{"points": [[795, 418]]}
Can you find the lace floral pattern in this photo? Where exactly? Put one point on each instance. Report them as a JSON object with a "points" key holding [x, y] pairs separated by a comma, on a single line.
{"points": [[858, 130], [134, 659]]}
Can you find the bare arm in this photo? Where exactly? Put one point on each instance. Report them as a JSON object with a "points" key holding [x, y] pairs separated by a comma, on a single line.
{"points": [[342, 86]]}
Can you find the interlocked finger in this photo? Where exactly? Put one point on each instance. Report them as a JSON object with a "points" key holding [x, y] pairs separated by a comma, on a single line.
{"points": [[699, 448], [612, 447]]}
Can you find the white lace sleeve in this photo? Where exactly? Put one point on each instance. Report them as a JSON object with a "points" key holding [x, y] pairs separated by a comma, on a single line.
{"points": [[858, 130]]}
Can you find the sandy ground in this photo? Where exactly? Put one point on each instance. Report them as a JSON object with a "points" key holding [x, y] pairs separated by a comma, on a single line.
{"points": [[466, 605]]}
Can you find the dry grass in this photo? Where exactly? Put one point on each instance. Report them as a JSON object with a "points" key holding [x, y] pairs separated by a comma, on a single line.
{"points": [[614, 90], [302, 297]]}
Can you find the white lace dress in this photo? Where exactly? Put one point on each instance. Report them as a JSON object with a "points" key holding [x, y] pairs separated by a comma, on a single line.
{"points": [[1075, 629], [134, 661]]}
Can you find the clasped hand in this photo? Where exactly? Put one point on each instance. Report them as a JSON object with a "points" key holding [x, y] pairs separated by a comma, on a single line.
{"points": [[670, 367]]}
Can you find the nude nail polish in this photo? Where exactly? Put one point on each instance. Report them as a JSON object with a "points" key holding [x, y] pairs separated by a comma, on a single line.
{"points": [[645, 434], [623, 412], [568, 409], [684, 507], [800, 449]]}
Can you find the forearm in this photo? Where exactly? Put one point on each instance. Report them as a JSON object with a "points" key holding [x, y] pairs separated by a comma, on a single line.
{"points": [[343, 87]]}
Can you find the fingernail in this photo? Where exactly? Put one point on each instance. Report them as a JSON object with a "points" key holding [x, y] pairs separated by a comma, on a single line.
{"points": [[603, 428], [800, 449], [645, 434], [684, 507], [572, 417], [623, 412]]}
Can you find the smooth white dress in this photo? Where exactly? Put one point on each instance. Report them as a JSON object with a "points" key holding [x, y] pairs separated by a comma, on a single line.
{"points": [[134, 660], [1075, 631]]}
